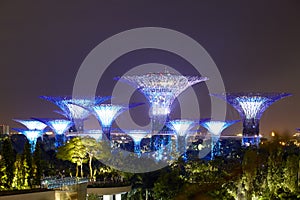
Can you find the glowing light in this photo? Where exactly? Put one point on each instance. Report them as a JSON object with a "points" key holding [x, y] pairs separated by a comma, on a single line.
{"points": [[59, 126], [31, 135], [298, 133], [137, 136], [32, 124], [181, 127], [107, 113], [161, 89], [75, 108], [216, 127], [251, 106], [273, 134]]}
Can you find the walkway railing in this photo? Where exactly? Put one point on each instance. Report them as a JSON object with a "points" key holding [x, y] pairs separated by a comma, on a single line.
{"points": [[54, 183]]}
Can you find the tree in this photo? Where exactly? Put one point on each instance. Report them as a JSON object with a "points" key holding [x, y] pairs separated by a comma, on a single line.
{"points": [[75, 152], [249, 167], [94, 149], [167, 186], [37, 165], [27, 164], [291, 173], [8, 159], [3, 175], [19, 177]]}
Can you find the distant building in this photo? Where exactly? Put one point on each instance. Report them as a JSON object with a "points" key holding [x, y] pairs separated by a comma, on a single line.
{"points": [[4, 129]]}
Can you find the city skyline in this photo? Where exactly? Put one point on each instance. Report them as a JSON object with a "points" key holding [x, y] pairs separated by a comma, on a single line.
{"points": [[255, 46]]}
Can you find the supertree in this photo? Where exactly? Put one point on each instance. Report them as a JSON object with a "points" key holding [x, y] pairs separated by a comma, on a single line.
{"points": [[215, 128], [137, 136], [160, 89], [181, 128], [32, 124], [251, 107], [75, 108], [59, 127], [107, 113], [31, 135]]}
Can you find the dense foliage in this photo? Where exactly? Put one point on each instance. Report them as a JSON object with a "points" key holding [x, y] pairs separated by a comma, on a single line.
{"points": [[271, 171]]}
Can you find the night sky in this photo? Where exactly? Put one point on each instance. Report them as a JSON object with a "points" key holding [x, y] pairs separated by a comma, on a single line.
{"points": [[255, 44]]}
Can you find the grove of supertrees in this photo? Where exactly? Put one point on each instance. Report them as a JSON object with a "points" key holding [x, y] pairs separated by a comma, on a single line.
{"points": [[161, 89]]}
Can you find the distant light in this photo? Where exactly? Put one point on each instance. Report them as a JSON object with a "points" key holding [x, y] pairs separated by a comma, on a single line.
{"points": [[273, 134], [296, 135], [239, 134]]}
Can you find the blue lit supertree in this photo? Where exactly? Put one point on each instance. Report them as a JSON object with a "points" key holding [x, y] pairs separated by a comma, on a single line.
{"points": [[161, 89], [107, 113], [251, 107], [31, 135], [75, 108], [32, 124], [215, 128], [59, 127], [137, 136], [181, 129]]}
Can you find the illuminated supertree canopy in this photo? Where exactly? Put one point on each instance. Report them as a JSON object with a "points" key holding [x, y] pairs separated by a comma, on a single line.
{"points": [[181, 127], [31, 135], [161, 89], [32, 124], [107, 113], [137, 136], [59, 126], [251, 107], [75, 108], [216, 127]]}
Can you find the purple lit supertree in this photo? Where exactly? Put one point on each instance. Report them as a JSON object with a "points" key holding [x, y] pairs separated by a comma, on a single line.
{"points": [[137, 136], [75, 109], [215, 128], [160, 89], [181, 128], [32, 124], [59, 127], [251, 107], [31, 135]]}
